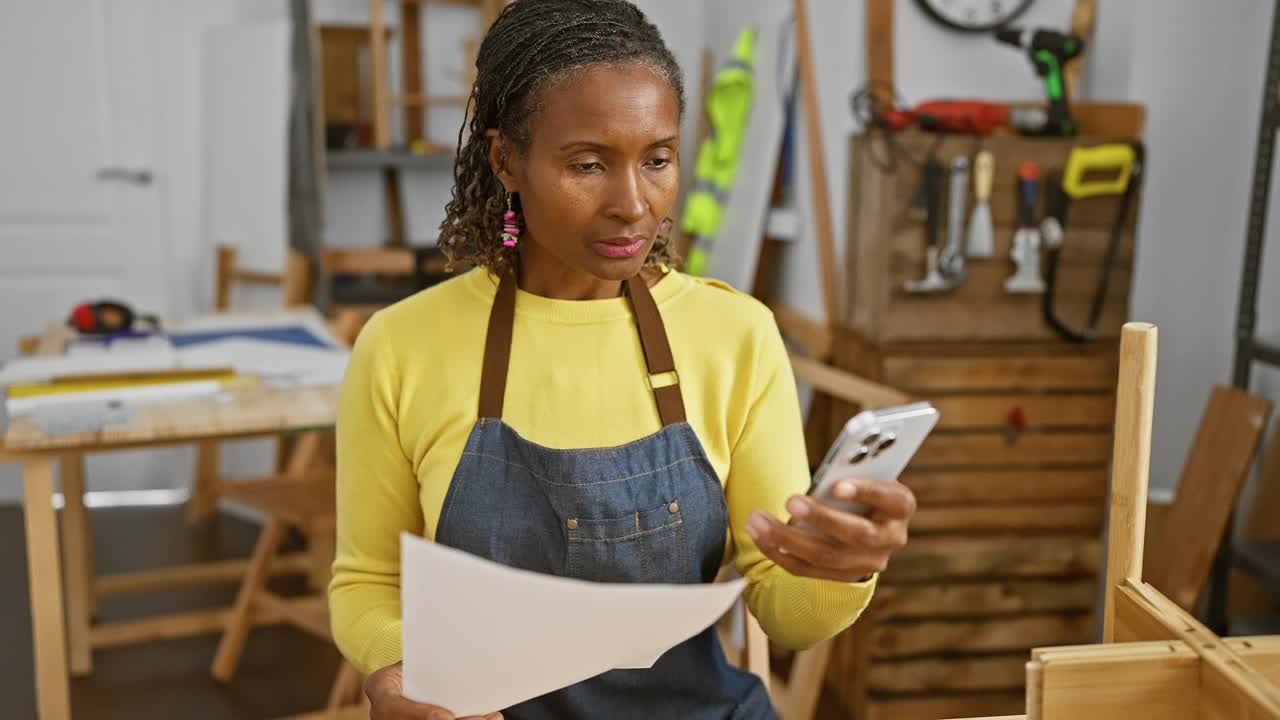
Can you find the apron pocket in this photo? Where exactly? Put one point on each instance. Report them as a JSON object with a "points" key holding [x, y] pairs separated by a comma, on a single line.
{"points": [[646, 546]]}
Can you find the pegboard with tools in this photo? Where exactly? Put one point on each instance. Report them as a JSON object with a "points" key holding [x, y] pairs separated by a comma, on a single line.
{"points": [[945, 301], [916, 197]]}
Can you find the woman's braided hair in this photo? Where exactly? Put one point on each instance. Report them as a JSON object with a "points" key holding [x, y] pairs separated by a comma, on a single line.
{"points": [[532, 44]]}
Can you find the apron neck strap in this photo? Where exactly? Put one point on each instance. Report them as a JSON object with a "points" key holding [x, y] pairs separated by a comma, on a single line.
{"points": [[653, 339], [657, 351]]}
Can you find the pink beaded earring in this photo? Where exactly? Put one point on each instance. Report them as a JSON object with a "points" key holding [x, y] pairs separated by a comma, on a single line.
{"points": [[510, 227], [664, 230]]}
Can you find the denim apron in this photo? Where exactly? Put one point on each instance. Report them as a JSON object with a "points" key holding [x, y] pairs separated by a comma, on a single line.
{"points": [[650, 511]]}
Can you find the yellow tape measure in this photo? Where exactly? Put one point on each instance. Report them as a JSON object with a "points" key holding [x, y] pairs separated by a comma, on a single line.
{"points": [[1114, 161]]}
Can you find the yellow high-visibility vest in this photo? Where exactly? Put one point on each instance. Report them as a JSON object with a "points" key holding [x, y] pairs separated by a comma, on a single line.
{"points": [[728, 107]]}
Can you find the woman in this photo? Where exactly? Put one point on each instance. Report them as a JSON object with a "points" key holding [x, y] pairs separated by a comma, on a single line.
{"points": [[574, 407]]}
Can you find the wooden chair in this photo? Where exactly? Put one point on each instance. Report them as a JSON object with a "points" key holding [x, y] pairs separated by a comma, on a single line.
{"points": [[366, 279], [295, 288], [301, 497]]}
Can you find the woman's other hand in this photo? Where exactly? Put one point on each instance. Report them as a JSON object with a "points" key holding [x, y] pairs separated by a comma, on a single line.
{"points": [[385, 689], [834, 544]]}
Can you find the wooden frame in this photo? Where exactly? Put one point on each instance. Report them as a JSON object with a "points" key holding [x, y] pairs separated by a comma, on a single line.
{"points": [[414, 100], [1157, 661]]}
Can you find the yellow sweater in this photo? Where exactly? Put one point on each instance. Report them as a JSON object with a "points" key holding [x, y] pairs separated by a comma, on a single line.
{"points": [[576, 380]]}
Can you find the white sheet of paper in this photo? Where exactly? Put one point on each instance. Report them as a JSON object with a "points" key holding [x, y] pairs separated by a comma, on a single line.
{"points": [[480, 636], [269, 360], [40, 368]]}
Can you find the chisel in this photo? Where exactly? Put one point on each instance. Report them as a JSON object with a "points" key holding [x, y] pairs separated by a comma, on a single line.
{"points": [[951, 259], [981, 243]]}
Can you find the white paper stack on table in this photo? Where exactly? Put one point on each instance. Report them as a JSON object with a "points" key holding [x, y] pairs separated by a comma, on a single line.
{"points": [[95, 382], [480, 636]]}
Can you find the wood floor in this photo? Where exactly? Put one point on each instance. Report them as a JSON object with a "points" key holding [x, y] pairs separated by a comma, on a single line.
{"points": [[283, 671]]}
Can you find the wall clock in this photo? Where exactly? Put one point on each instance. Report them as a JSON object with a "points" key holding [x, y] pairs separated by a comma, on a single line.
{"points": [[974, 15]]}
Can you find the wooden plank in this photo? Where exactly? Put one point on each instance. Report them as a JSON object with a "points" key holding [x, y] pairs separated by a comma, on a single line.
{"points": [[843, 385], [804, 684], [817, 164], [1230, 686], [393, 206], [1262, 653], [1220, 460], [411, 79], [930, 559], [950, 486], [930, 637], [1160, 685], [1122, 121], [1142, 680], [995, 672], [167, 627], [223, 275], [308, 613], [1135, 400], [1079, 516], [297, 279], [879, 39], [922, 375], [1083, 18], [1038, 410], [245, 413], [381, 91], [1133, 622], [364, 261], [968, 705], [1018, 318], [966, 599], [211, 573], [204, 485], [346, 688], [1262, 523], [993, 449], [53, 698], [76, 543], [340, 47], [798, 327]]}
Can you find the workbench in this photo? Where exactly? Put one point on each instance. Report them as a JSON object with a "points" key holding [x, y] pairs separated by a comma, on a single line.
{"points": [[59, 637]]}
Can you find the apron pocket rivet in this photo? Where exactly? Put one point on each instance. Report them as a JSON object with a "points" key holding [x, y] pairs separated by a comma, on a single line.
{"points": [[673, 508], [573, 523]]}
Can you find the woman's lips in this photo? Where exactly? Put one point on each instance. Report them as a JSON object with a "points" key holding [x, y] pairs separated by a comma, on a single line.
{"points": [[618, 248]]}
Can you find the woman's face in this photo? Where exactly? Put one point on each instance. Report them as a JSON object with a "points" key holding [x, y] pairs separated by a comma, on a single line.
{"points": [[601, 172]]}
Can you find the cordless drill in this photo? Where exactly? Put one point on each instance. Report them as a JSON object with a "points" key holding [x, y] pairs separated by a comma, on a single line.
{"points": [[1049, 51]]}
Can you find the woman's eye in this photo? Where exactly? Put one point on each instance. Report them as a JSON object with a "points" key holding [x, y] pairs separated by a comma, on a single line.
{"points": [[659, 163], [588, 167]]}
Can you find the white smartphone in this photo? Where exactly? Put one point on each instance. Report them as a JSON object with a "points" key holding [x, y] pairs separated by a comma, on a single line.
{"points": [[876, 445]]}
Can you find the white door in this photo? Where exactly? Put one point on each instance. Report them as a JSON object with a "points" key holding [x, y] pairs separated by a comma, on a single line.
{"points": [[82, 191]]}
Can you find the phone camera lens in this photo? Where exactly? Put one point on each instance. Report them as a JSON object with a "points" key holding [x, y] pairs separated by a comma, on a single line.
{"points": [[859, 455], [886, 443], [871, 439]]}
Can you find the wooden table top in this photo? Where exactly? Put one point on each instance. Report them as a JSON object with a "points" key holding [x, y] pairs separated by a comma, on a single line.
{"points": [[237, 413], [241, 412]]}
